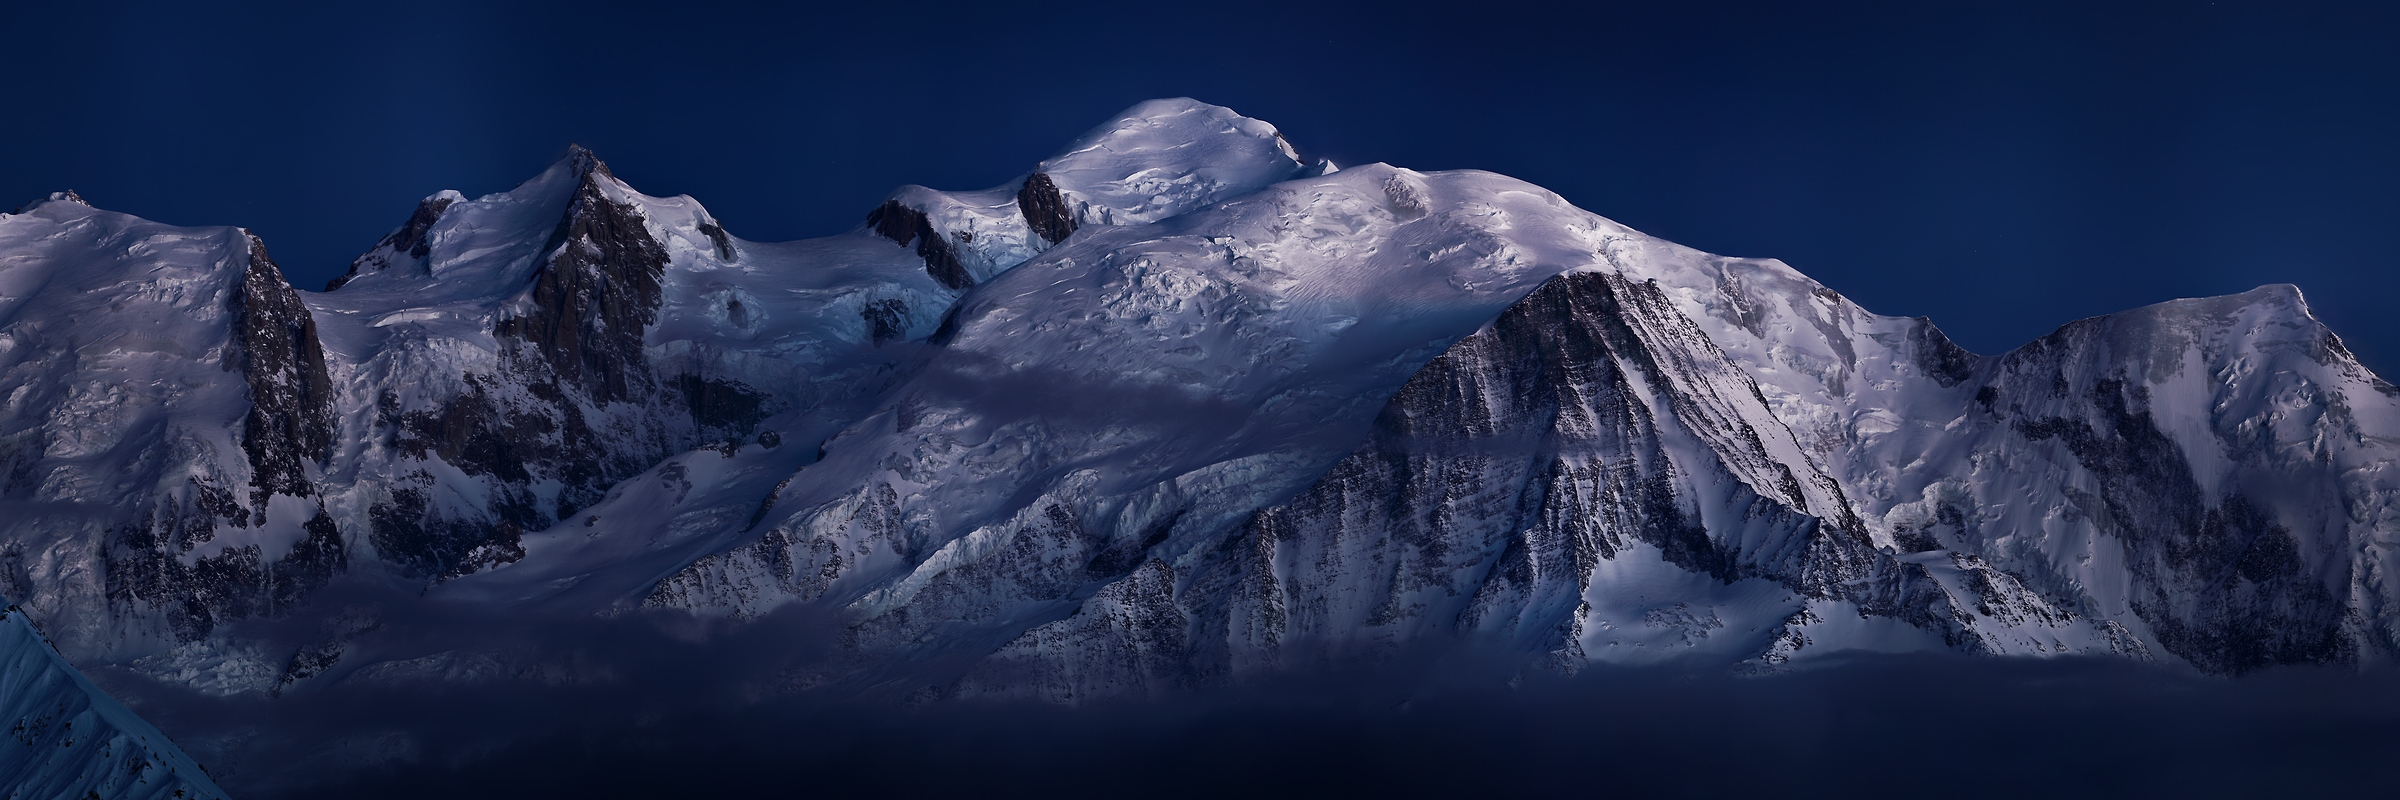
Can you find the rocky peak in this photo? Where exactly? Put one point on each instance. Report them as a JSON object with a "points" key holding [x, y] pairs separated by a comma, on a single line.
{"points": [[585, 163], [291, 394], [597, 292]]}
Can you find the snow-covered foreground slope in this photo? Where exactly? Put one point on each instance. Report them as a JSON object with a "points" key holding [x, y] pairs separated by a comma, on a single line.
{"points": [[1172, 410], [66, 738]]}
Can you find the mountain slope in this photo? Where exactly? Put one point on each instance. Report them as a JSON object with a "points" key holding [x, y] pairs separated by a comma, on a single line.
{"points": [[492, 366], [1586, 478], [168, 409], [1156, 383], [2212, 476]]}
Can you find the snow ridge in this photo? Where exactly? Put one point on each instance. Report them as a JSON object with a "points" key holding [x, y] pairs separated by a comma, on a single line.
{"points": [[66, 738]]}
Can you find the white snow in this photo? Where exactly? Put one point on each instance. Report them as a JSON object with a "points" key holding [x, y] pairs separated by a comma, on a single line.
{"points": [[68, 739]]}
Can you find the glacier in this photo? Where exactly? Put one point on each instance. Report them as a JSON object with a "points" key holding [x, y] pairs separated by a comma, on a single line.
{"points": [[1178, 408]]}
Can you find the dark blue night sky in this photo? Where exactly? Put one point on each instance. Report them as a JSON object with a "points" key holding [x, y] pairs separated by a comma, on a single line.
{"points": [[2002, 167]]}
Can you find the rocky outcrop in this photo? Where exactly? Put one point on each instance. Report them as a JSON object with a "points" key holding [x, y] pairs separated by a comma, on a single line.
{"points": [[887, 320], [595, 296], [1939, 358], [2216, 575], [151, 571], [290, 424], [504, 443], [409, 241], [723, 241], [1045, 210], [1130, 638], [903, 225]]}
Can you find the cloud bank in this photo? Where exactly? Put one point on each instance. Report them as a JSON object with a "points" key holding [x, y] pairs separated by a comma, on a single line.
{"points": [[668, 705]]}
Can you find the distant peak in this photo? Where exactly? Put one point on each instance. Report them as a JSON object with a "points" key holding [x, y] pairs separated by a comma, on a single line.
{"points": [[68, 196], [2239, 315], [1169, 110], [1164, 157], [2281, 292], [1170, 107], [566, 173], [1170, 123], [2281, 298]]}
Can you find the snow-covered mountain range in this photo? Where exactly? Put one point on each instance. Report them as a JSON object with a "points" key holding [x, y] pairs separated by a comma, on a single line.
{"points": [[1176, 409]]}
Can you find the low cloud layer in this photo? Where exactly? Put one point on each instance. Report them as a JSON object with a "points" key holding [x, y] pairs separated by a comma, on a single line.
{"points": [[663, 705]]}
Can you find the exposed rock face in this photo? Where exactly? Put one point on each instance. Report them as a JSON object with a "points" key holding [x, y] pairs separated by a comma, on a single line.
{"points": [[148, 574], [2219, 579], [66, 196], [2190, 480], [1530, 452], [291, 395], [172, 410], [409, 241], [288, 431], [1941, 359], [886, 320], [720, 405], [1130, 637], [2232, 569], [717, 236], [903, 224], [1045, 211], [595, 297], [506, 444], [1591, 434], [1591, 421], [573, 407]]}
